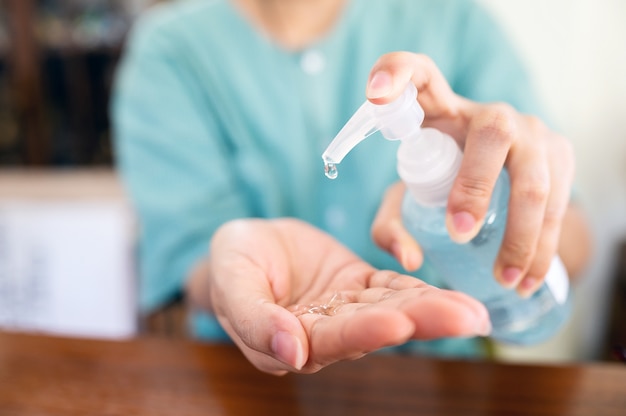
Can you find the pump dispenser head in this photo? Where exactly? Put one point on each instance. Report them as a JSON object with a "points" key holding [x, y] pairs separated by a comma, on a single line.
{"points": [[397, 120], [428, 160]]}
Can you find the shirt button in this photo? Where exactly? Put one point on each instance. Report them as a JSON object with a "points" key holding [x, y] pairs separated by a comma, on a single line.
{"points": [[335, 218], [312, 62]]}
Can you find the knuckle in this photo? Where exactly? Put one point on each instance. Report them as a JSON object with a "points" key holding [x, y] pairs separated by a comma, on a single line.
{"points": [[552, 219], [515, 249], [535, 190], [566, 154], [536, 125], [498, 123], [424, 59], [535, 194], [475, 187]]}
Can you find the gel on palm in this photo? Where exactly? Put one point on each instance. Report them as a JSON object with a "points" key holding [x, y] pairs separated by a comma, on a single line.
{"points": [[428, 163]]}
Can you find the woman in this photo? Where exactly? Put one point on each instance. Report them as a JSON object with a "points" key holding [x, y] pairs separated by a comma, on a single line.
{"points": [[222, 111]]}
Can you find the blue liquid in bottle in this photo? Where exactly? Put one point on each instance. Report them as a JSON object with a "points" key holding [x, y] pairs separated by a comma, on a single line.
{"points": [[469, 268]]}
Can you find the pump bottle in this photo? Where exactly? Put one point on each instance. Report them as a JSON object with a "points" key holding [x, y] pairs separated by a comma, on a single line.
{"points": [[428, 162]]}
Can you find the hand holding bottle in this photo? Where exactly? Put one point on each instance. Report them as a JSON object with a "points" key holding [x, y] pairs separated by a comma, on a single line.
{"points": [[540, 164]]}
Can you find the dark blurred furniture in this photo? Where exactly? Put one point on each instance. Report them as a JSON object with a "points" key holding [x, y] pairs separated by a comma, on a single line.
{"points": [[59, 89], [53, 376], [169, 321], [25, 81], [615, 343]]}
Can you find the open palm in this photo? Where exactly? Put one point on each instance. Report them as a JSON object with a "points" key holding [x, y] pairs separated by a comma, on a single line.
{"points": [[294, 299]]}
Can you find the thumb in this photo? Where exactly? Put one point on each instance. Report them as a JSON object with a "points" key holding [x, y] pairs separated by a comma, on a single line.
{"points": [[245, 280], [271, 337], [389, 233]]}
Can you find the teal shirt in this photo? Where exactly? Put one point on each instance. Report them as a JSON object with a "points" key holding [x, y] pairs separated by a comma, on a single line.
{"points": [[214, 121]]}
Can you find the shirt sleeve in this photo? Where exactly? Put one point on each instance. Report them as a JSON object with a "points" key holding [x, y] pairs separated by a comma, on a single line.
{"points": [[171, 157]]}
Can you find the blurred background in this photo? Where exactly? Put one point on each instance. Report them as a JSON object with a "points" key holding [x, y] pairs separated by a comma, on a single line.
{"points": [[58, 60], [575, 49], [67, 233]]}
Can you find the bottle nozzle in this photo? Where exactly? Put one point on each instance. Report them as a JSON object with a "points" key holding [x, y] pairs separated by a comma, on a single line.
{"points": [[361, 125], [395, 120]]}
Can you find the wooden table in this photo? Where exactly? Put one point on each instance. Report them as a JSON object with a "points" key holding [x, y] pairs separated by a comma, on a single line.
{"points": [[54, 376]]}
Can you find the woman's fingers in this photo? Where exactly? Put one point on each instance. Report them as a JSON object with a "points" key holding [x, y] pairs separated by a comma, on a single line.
{"points": [[350, 335], [377, 319], [457, 314], [491, 133], [496, 134], [389, 233], [561, 173]]}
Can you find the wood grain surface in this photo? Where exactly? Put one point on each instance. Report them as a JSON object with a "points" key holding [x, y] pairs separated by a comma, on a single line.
{"points": [[42, 375]]}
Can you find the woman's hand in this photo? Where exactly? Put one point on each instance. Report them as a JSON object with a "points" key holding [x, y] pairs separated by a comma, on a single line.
{"points": [[294, 299], [540, 163]]}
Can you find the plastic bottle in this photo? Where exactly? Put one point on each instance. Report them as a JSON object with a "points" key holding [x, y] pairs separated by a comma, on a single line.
{"points": [[428, 163]]}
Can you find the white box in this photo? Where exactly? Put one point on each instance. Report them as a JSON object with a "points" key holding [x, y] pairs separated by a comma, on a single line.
{"points": [[67, 260]]}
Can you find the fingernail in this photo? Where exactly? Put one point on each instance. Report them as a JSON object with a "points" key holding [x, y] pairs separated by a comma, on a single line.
{"points": [[526, 288], [464, 224], [510, 275], [380, 85], [288, 349]]}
